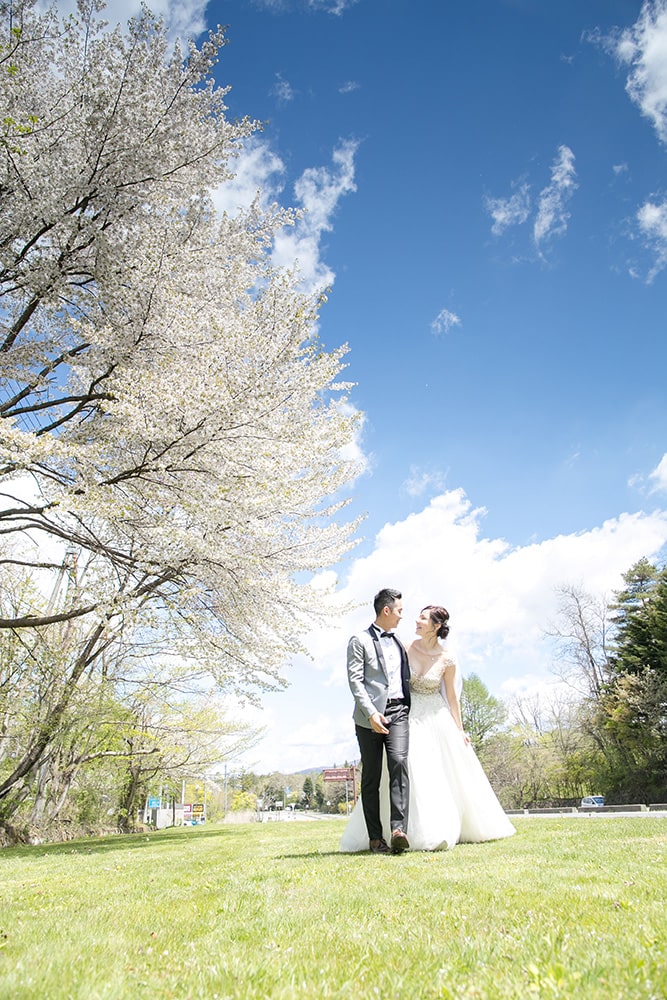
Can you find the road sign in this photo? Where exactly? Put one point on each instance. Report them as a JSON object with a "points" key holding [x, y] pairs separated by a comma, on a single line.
{"points": [[154, 803]]}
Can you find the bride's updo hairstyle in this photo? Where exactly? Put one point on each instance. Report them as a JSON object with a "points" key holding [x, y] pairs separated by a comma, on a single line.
{"points": [[439, 616]]}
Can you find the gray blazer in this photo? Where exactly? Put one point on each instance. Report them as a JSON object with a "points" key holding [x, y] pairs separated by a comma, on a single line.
{"points": [[367, 675]]}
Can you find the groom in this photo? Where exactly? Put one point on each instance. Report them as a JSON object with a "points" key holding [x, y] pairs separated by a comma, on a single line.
{"points": [[379, 678]]}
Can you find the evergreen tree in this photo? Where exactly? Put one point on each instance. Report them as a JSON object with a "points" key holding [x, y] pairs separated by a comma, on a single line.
{"points": [[632, 712], [308, 791], [640, 620]]}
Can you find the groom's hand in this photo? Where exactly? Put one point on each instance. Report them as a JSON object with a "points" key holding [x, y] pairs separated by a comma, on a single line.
{"points": [[379, 723]]}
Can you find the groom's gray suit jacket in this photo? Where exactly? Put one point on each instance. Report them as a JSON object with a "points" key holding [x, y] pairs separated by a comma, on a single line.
{"points": [[368, 678]]}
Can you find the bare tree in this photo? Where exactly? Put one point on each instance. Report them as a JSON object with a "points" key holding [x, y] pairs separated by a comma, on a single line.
{"points": [[581, 634]]}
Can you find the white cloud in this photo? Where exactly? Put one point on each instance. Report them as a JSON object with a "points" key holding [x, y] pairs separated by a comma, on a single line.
{"points": [[496, 594], [336, 7], [644, 48], [512, 211], [347, 88], [184, 18], [420, 482], [659, 476], [282, 90], [318, 192], [322, 732], [258, 171], [274, 5], [444, 321], [353, 451], [652, 221], [501, 598], [551, 214]]}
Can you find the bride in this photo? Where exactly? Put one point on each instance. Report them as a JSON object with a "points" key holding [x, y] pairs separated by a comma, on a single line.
{"points": [[451, 800]]}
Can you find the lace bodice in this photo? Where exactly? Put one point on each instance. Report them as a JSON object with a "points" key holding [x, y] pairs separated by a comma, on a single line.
{"points": [[429, 683]]}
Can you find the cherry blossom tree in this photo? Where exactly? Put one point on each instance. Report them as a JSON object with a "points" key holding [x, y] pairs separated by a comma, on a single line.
{"points": [[162, 388]]}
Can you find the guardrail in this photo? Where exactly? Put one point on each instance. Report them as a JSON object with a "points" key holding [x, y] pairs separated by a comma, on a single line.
{"points": [[589, 810]]}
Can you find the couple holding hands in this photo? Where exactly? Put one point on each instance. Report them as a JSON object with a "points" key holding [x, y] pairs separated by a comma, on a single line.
{"points": [[422, 785]]}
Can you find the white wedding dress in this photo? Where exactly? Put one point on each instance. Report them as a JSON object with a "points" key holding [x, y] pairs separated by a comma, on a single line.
{"points": [[451, 800]]}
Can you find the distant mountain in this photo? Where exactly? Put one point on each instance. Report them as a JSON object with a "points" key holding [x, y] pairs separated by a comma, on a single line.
{"points": [[318, 770], [304, 770]]}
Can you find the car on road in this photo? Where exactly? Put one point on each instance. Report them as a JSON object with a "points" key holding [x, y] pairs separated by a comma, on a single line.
{"points": [[593, 800]]}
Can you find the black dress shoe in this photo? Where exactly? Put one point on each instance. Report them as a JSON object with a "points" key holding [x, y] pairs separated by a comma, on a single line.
{"points": [[399, 842], [379, 846]]}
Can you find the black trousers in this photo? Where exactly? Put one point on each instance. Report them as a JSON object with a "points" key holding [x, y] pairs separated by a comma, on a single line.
{"points": [[372, 747]]}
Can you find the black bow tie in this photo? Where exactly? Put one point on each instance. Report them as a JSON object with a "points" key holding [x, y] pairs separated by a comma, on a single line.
{"points": [[386, 635]]}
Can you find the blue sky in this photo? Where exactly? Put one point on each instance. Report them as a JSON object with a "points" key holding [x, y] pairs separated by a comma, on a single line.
{"points": [[486, 197], [491, 276]]}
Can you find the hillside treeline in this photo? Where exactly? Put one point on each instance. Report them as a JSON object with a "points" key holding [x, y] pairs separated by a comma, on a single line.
{"points": [[603, 732]]}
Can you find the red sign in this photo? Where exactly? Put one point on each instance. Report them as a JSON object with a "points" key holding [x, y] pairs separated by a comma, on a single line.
{"points": [[338, 774]]}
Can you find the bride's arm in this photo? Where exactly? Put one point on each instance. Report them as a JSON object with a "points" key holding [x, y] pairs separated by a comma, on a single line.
{"points": [[453, 698]]}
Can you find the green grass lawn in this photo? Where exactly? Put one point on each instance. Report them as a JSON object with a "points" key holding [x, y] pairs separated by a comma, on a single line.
{"points": [[569, 907]]}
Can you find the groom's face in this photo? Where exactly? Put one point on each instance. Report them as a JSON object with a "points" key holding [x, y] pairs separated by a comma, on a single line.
{"points": [[394, 614]]}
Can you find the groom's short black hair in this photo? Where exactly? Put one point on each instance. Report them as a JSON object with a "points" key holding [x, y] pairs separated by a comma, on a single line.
{"points": [[385, 598]]}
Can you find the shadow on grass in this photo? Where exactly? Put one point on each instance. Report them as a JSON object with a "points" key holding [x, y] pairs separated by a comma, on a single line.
{"points": [[311, 855]]}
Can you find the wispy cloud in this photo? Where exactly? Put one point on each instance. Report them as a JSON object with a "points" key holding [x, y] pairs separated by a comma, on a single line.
{"points": [[421, 481], [512, 211], [283, 90], [659, 476], [353, 451], [652, 222], [260, 174], [655, 482], [444, 321], [552, 216], [318, 192], [348, 87], [336, 7], [642, 48], [274, 5]]}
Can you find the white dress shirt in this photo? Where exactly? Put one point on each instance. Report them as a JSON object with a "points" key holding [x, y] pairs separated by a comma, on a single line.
{"points": [[392, 660]]}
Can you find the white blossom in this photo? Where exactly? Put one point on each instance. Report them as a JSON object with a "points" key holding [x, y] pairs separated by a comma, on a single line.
{"points": [[160, 378]]}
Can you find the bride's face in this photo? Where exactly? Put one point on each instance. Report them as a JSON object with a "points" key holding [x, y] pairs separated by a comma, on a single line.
{"points": [[424, 626]]}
